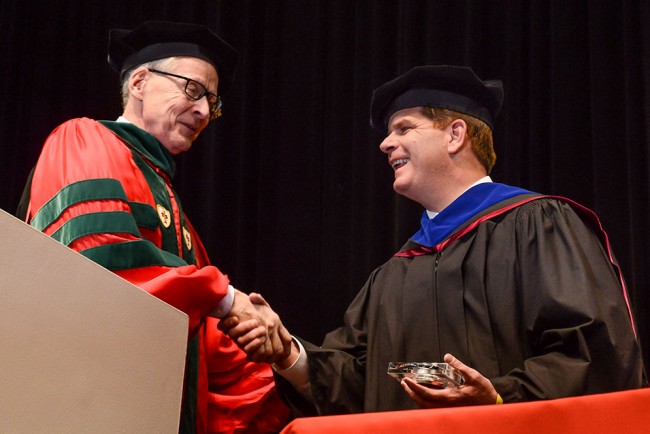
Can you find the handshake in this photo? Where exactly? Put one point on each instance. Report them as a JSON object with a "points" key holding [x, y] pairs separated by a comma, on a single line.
{"points": [[257, 330]]}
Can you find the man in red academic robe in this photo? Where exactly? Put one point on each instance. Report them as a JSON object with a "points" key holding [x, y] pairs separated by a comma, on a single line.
{"points": [[104, 188]]}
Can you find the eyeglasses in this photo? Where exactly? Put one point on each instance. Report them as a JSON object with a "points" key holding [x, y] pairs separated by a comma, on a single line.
{"points": [[195, 91]]}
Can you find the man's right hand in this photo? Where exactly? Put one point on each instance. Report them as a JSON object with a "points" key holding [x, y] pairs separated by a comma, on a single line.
{"points": [[256, 329]]}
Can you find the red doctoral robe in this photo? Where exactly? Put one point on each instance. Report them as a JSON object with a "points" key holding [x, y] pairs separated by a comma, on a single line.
{"points": [[104, 189]]}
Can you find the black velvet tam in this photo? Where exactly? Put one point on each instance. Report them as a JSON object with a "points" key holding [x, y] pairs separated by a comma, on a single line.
{"points": [[455, 88], [155, 40]]}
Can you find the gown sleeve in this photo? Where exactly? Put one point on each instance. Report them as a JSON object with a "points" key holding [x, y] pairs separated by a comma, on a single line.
{"points": [[573, 310], [337, 369], [84, 192]]}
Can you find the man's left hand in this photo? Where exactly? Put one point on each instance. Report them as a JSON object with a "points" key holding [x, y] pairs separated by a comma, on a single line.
{"points": [[476, 390]]}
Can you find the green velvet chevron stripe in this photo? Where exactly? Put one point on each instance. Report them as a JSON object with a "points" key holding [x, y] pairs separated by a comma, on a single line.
{"points": [[145, 215], [109, 222], [131, 254], [90, 189]]}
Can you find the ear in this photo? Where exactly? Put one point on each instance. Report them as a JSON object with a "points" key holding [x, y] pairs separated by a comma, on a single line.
{"points": [[457, 136], [137, 81]]}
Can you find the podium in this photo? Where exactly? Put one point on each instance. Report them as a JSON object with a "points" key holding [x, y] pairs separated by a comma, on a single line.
{"points": [[617, 412], [82, 350]]}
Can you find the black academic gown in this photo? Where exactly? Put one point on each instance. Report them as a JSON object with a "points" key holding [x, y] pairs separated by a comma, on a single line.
{"points": [[529, 298]]}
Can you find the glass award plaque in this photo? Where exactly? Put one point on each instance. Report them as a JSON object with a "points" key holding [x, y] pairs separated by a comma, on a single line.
{"points": [[435, 375]]}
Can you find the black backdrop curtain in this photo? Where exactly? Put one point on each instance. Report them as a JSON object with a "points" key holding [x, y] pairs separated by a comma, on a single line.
{"points": [[288, 189]]}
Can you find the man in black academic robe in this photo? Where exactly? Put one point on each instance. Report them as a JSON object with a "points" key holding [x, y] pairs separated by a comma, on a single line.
{"points": [[520, 287]]}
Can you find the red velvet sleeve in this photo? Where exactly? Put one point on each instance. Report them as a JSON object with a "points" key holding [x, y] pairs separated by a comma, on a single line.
{"points": [[84, 150]]}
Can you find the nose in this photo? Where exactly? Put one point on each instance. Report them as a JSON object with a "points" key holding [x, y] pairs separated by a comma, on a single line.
{"points": [[202, 108], [388, 145]]}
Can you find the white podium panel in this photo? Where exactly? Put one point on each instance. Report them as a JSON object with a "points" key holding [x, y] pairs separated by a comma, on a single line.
{"points": [[82, 350]]}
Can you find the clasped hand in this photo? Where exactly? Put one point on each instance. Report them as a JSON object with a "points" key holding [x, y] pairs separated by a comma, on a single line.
{"points": [[256, 329]]}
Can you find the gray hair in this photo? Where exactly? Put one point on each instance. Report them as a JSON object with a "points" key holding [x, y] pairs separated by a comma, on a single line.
{"points": [[168, 62]]}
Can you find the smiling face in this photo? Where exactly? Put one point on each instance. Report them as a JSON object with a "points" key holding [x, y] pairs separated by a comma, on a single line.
{"points": [[161, 106], [419, 155]]}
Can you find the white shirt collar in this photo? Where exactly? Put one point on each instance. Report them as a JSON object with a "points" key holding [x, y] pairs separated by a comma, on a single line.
{"points": [[432, 214]]}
